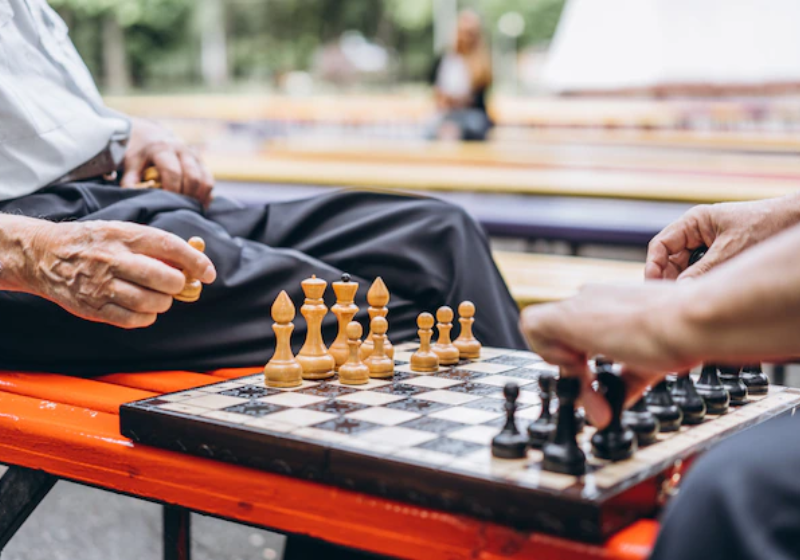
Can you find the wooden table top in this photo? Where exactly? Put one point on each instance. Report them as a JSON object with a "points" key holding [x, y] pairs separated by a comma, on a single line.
{"points": [[69, 427], [667, 186], [534, 278], [527, 155]]}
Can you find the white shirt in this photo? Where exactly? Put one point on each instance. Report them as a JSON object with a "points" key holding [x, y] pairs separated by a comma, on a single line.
{"points": [[453, 78], [52, 118]]}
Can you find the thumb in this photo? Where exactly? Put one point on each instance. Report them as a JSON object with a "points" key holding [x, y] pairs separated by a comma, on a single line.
{"points": [[711, 259], [133, 171]]}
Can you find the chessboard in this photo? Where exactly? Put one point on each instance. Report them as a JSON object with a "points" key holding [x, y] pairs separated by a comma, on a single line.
{"points": [[425, 439]]}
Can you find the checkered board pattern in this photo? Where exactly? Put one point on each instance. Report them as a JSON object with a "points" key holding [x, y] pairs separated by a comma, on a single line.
{"points": [[426, 438]]}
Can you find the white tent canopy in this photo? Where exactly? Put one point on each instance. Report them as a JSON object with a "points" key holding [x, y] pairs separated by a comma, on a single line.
{"points": [[605, 45]]}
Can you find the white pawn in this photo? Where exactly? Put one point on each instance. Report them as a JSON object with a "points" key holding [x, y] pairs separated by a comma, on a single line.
{"points": [[380, 365], [353, 371]]}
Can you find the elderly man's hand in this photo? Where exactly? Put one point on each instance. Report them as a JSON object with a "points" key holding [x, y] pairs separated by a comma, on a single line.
{"points": [[111, 272], [180, 168], [637, 325], [726, 229]]}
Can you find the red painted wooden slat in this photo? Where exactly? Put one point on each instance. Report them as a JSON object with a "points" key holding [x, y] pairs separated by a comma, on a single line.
{"points": [[86, 446]]}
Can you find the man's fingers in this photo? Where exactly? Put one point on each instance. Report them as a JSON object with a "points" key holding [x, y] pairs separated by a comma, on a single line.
{"points": [[192, 176], [197, 179], [169, 169], [175, 251], [134, 166], [151, 273], [636, 383], [118, 316], [136, 298], [669, 251]]}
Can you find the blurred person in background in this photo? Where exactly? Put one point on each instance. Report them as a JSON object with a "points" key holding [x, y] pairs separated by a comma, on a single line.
{"points": [[461, 78]]}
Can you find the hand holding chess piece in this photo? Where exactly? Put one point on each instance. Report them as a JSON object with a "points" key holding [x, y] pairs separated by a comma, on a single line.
{"points": [[314, 356], [283, 370], [468, 346], [151, 179], [380, 365], [378, 299], [425, 360], [448, 354], [353, 371], [344, 309], [193, 287]]}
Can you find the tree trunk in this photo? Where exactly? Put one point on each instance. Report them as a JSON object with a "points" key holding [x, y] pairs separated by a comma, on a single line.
{"points": [[116, 74], [213, 49]]}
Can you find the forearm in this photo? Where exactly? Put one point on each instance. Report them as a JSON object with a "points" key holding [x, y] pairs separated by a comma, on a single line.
{"points": [[745, 310], [17, 251]]}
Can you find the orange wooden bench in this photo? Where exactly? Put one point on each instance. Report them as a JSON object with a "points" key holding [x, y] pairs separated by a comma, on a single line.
{"points": [[56, 427]]}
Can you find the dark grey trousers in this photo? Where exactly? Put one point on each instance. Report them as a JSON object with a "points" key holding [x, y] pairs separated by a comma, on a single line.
{"points": [[428, 252], [741, 501]]}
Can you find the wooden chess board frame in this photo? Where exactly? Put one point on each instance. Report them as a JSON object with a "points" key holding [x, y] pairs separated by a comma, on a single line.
{"points": [[388, 460]]}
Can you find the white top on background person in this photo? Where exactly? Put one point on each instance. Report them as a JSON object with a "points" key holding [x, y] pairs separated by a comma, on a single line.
{"points": [[52, 118]]}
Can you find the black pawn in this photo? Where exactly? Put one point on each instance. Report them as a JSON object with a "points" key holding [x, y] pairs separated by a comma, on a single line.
{"points": [[659, 401], [616, 441], [697, 254], [509, 443], [684, 394], [562, 453], [345, 277], [712, 390], [639, 419], [542, 428], [731, 379], [756, 380]]}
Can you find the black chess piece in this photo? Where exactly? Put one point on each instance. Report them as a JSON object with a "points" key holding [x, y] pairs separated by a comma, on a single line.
{"points": [[698, 254], [756, 380], [643, 423], [659, 402], [712, 390], [562, 453], [684, 394], [730, 377], [510, 443], [540, 430], [580, 420], [616, 441]]}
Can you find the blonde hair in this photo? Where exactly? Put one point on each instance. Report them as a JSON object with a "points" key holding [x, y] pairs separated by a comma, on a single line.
{"points": [[477, 58]]}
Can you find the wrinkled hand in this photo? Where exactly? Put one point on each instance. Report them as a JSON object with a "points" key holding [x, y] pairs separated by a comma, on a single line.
{"points": [[634, 325], [118, 273], [180, 168], [726, 229]]}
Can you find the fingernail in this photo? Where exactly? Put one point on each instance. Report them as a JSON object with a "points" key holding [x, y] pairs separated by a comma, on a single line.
{"points": [[209, 275]]}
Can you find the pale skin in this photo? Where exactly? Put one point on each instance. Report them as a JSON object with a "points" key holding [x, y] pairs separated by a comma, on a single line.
{"points": [[118, 273], [742, 306], [180, 168]]}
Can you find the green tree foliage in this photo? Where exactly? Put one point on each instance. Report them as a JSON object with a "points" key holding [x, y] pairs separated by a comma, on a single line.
{"points": [[266, 38]]}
